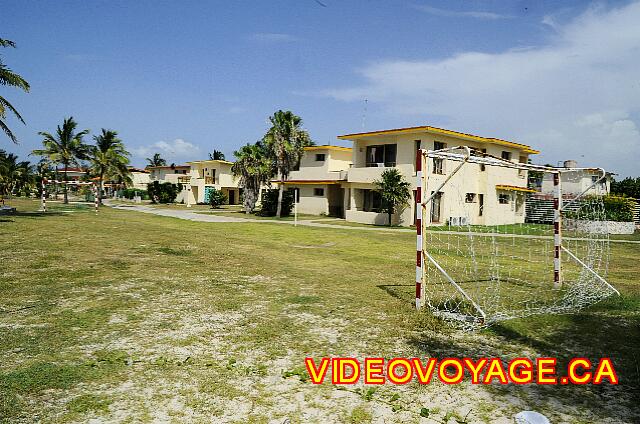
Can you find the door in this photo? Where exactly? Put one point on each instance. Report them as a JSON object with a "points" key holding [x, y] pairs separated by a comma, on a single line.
{"points": [[232, 197], [436, 205], [480, 204]]}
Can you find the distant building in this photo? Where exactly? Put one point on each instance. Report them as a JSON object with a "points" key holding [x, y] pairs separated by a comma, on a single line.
{"points": [[205, 175], [575, 183], [139, 178]]}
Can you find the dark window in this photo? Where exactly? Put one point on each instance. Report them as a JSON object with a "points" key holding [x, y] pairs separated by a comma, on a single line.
{"points": [[296, 194], [320, 157], [482, 166], [417, 144], [372, 201], [318, 192], [506, 155], [437, 145], [480, 204], [594, 178], [381, 155], [438, 166], [503, 199], [470, 198]]}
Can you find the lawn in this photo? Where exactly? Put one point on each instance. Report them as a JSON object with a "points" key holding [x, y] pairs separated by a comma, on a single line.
{"points": [[132, 317]]}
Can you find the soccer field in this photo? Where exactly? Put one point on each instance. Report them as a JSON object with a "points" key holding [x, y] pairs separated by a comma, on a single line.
{"points": [[129, 317]]}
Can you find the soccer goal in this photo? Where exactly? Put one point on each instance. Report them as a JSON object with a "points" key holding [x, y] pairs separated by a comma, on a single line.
{"points": [[46, 182], [498, 239]]}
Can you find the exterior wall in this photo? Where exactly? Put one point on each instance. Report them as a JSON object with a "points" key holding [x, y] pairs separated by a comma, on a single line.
{"points": [[470, 179], [309, 203], [334, 167], [139, 180], [576, 182]]}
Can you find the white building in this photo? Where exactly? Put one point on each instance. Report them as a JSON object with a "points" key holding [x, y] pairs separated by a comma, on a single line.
{"points": [[205, 175], [575, 183]]}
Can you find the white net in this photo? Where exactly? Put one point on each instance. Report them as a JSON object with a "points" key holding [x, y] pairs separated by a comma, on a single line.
{"points": [[489, 243]]}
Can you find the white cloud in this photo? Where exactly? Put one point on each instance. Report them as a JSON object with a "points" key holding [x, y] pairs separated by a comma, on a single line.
{"points": [[576, 97], [460, 14], [273, 37], [175, 150]]}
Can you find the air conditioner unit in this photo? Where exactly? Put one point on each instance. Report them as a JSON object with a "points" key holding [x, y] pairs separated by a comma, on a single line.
{"points": [[459, 220]]}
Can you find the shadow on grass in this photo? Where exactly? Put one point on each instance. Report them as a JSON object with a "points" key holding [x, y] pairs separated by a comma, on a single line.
{"points": [[588, 334]]}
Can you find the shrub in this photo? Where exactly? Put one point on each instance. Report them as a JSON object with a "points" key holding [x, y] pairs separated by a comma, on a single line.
{"points": [[616, 208], [216, 197], [270, 202], [163, 193], [130, 193]]}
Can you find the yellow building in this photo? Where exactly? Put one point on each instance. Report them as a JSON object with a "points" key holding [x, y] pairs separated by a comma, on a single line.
{"points": [[319, 180], [495, 195], [139, 178], [205, 175]]}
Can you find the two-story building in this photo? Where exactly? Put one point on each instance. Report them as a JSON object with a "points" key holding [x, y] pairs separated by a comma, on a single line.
{"points": [[168, 173], [319, 181], [139, 178], [205, 175], [584, 180], [480, 194]]}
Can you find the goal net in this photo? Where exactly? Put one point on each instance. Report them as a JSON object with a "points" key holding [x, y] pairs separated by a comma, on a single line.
{"points": [[497, 239]]}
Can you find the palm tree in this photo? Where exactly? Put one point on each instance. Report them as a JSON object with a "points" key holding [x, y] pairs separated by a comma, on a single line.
{"points": [[216, 155], [66, 147], [10, 78], [15, 177], [252, 168], [285, 142], [156, 160], [109, 158], [394, 191]]}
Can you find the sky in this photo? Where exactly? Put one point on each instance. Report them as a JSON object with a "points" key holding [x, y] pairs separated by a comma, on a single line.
{"points": [[182, 78]]}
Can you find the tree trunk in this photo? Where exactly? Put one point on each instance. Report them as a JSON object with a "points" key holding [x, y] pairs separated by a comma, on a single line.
{"points": [[100, 189], [280, 193], [390, 212], [66, 176]]}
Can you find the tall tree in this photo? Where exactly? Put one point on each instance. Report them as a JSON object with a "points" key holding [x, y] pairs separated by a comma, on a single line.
{"points": [[9, 78], [156, 160], [65, 147], [285, 142], [216, 155], [15, 176], [253, 169], [109, 158], [394, 190]]}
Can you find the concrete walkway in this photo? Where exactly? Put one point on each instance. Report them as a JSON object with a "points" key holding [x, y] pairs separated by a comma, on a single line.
{"points": [[200, 217]]}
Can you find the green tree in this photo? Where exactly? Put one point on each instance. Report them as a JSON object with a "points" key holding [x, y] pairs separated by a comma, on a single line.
{"points": [[65, 147], [109, 158], [394, 191], [16, 177], [285, 142], [626, 187], [253, 169], [216, 155], [156, 160], [11, 79]]}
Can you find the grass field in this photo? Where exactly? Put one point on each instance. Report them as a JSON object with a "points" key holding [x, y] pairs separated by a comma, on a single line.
{"points": [[131, 317]]}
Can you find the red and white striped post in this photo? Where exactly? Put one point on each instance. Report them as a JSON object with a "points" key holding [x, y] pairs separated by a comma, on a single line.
{"points": [[557, 232], [43, 195], [95, 196], [419, 245]]}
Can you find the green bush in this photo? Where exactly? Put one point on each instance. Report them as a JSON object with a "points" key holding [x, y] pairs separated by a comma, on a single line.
{"points": [[616, 208], [130, 193], [163, 193], [216, 197], [270, 202]]}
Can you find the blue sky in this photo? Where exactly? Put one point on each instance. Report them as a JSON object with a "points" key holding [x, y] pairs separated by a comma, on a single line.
{"points": [[185, 77]]}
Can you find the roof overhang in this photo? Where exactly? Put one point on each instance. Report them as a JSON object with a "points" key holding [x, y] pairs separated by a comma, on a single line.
{"points": [[514, 188], [440, 131]]}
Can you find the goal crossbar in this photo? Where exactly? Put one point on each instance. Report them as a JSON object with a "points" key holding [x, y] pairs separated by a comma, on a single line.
{"points": [[46, 182]]}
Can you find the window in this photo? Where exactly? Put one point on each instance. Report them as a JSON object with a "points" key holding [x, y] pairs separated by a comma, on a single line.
{"points": [[503, 198], [296, 194], [506, 155], [482, 166], [470, 198], [480, 204], [381, 155], [438, 164], [320, 157], [372, 201], [318, 192], [416, 145], [594, 178]]}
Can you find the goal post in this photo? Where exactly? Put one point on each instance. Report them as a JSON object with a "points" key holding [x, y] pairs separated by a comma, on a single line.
{"points": [[484, 253], [45, 181]]}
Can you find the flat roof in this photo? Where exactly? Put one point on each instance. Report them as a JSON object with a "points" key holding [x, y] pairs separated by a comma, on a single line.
{"points": [[168, 167], [211, 160], [328, 147], [442, 131]]}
